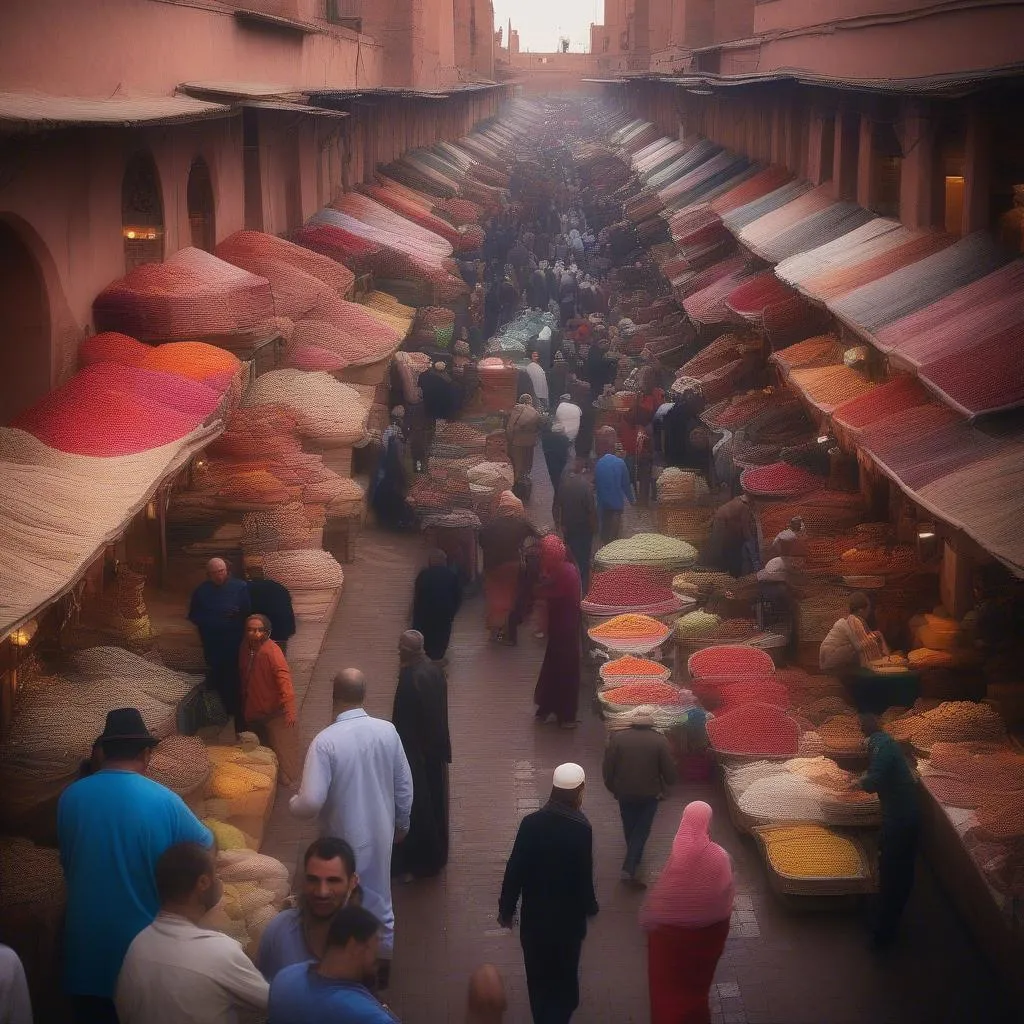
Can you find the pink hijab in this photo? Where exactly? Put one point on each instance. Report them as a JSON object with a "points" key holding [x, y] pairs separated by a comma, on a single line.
{"points": [[696, 887]]}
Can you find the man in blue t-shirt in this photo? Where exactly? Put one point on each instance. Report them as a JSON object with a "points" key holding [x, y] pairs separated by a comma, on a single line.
{"points": [[112, 828], [332, 991]]}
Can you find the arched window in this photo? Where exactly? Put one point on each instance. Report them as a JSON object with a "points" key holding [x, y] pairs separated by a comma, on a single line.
{"points": [[24, 326], [200, 206], [142, 212]]}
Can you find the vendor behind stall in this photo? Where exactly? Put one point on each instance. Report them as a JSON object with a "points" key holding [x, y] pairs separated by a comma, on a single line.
{"points": [[852, 643]]}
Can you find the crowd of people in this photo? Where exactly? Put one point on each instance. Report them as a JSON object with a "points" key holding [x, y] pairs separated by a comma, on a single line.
{"points": [[140, 867]]}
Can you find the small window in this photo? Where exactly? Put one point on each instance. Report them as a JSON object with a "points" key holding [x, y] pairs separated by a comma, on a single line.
{"points": [[142, 213]]}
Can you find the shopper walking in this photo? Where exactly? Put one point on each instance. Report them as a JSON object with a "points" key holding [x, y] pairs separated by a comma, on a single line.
{"points": [[575, 515], [558, 687], [890, 777], [522, 431], [437, 597], [357, 783], [268, 697], [420, 714], [686, 917], [112, 827], [551, 870], [501, 541], [612, 486], [638, 771], [177, 972]]}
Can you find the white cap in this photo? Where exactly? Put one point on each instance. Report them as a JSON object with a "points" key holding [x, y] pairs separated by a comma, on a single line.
{"points": [[569, 776]]}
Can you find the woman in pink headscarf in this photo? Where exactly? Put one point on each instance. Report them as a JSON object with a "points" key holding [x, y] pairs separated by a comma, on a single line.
{"points": [[558, 688], [686, 917]]}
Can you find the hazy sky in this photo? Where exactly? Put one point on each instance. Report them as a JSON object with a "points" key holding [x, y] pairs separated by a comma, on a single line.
{"points": [[541, 22]]}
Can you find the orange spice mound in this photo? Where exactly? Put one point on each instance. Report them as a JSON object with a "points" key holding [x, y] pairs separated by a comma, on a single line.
{"points": [[628, 627], [633, 666]]}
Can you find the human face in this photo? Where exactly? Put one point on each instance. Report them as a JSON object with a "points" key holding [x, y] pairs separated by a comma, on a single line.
{"points": [[326, 887], [255, 632], [217, 571]]}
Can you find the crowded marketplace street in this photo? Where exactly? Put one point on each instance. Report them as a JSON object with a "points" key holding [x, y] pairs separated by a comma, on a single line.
{"points": [[499, 537]]}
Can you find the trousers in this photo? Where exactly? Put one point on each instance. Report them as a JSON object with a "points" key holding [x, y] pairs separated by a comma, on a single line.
{"points": [[552, 976], [637, 819], [896, 859], [611, 524]]}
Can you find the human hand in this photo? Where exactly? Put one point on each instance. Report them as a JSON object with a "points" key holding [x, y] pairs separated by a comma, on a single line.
{"points": [[400, 835]]}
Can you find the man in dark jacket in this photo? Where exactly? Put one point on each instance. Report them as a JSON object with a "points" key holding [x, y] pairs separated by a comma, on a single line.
{"points": [[551, 867], [890, 777], [272, 599], [638, 768], [575, 515]]}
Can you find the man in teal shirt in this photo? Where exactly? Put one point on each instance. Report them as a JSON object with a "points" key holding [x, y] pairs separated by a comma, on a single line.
{"points": [[890, 777], [112, 828]]}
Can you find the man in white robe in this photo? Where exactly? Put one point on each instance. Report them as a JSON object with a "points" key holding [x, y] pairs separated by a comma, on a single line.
{"points": [[357, 783]]}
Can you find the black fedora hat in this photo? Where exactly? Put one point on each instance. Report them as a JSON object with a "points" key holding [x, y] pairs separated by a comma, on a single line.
{"points": [[126, 724]]}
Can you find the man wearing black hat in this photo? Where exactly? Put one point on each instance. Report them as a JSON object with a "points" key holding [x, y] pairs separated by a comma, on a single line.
{"points": [[112, 828]]}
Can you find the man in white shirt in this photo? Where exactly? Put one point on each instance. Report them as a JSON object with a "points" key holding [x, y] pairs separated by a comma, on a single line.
{"points": [[176, 972], [15, 1005], [539, 380], [357, 782]]}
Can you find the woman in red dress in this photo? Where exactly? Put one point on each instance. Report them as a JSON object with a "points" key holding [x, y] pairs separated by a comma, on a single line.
{"points": [[558, 688], [686, 917]]}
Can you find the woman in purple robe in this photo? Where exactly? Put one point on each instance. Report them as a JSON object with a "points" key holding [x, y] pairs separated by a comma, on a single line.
{"points": [[558, 688]]}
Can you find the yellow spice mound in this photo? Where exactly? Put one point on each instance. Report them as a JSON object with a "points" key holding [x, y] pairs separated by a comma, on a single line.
{"points": [[810, 851]]}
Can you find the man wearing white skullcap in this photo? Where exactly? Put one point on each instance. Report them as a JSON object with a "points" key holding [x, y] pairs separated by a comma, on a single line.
{"points": [[551, 868]]}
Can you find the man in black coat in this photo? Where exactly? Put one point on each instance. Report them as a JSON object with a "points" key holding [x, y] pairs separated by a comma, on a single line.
{"points": [[272, 599], [437, 596], [551, 868]]}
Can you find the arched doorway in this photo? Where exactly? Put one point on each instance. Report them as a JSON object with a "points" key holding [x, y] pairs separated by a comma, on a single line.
{"points": [[142, 212], [24, 326], [199, 195]]}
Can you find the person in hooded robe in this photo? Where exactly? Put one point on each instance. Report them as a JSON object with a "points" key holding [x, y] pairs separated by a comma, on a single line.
{"points": [[437, 597], [686, 918], [420, 716], [558, 687]]}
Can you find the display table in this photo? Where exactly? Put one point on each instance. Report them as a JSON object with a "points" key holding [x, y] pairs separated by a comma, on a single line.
{"points": [[995, 921]]}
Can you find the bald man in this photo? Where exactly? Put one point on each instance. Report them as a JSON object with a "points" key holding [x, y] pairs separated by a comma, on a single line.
{"points": [[218, 609], [487, 1001], [358, 785]]}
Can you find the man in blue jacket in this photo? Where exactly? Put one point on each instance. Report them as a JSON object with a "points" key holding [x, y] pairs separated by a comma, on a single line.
{"points": [[612, 486]]}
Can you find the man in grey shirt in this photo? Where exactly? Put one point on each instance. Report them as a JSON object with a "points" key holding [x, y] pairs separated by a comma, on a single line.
{"points": [[327, 884]]}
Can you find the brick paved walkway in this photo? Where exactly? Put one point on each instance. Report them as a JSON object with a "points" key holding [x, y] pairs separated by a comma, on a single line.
{"points": [[781, 966]]}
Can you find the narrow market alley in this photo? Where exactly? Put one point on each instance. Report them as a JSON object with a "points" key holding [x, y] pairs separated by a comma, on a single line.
{"points": [[781, 965]]}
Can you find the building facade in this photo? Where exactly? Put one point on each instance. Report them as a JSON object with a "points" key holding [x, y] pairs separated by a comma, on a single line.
{"points": [[118, 148]]}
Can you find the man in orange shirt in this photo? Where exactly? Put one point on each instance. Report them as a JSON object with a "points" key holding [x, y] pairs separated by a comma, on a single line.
{"points": [[268, 697]]}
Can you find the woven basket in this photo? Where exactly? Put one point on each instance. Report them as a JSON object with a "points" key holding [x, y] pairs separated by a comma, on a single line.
{"points": [[790, 885], [691, 523], [743, 822]]}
